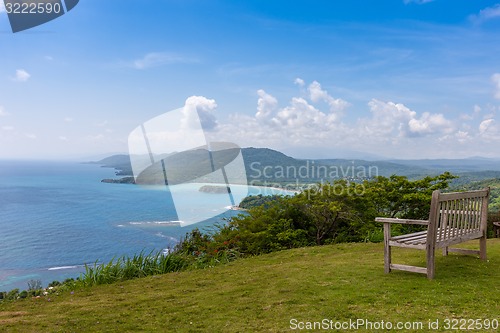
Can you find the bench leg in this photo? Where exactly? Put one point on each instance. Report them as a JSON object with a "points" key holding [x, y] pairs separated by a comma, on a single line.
{"points": [[482, 248], [430, 263], [387, 248], [445, 251]]}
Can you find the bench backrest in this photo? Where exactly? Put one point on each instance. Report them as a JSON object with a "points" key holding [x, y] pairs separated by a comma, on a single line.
{"points": [[457, 215]]}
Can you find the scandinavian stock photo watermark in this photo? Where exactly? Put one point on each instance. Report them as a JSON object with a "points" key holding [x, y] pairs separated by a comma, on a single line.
{"points": [[453, 324], [313, 177]]}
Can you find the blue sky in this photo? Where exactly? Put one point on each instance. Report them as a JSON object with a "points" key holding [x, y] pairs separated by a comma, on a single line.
{"points": [[394, 78]]}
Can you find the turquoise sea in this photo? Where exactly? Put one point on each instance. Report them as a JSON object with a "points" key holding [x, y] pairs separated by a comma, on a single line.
{"points": [[55, 217]]}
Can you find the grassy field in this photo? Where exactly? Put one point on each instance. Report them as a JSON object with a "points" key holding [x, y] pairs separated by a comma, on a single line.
{"points": [[279, 292]]}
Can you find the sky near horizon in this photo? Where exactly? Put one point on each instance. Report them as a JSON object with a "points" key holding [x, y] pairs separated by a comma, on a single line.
{"points": [[394, 78]]}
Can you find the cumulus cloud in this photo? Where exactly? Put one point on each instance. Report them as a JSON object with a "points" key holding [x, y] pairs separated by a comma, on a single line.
{"points": [[396, 119], [316, 94], [21, 76], [312, 120], [300, 115], [429, 124], [266, 105], [8, 128], [205, 109], [306, 122], [388, 118], [298, 81], [156, 59], [496, 81], [486, 14]]}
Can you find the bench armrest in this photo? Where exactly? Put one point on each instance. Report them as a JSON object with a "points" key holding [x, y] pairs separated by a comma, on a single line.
{"points": [[402, 221]]}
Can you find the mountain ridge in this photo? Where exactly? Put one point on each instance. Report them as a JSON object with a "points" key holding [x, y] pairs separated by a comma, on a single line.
{"points": [[268, 165]]}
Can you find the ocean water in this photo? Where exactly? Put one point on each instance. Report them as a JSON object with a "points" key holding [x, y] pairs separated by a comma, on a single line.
{"points": [[55, 217]]}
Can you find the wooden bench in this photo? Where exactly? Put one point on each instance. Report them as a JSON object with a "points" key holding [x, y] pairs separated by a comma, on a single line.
{"points": [[496, 229], [454, 218]]}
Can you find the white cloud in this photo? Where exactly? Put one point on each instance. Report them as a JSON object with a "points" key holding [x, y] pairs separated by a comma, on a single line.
{"points": [[300, 124], [68, 119], [486, 14], [266, 105], [462, 136], [396, 119], [307, 123], [317, 94], [21, 76], [487, 127], [496, 81], [205, 109], [429, 124], [30, 136], [386, 126], [299, 116], [63, 138], [388, 118], [8, 128], [156, 59], [298, 81], [3, 113], [418, 2]]}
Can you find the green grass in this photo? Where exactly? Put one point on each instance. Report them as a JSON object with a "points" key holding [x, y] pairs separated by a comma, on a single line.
{"points": [[262, 294]]}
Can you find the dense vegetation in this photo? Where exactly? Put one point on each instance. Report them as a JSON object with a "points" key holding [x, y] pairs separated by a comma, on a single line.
{"points": [[257, 200], [329, 213], [493, 184]]}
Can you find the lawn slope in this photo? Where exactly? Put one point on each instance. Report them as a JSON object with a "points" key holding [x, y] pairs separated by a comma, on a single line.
{"points": [[263, 294]]}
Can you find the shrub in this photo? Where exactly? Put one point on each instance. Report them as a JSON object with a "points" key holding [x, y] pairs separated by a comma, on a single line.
{"points": [[23, 294]]}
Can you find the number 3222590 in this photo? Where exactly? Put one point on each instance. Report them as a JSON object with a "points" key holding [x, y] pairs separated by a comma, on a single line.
{"points": [[33, 8]]}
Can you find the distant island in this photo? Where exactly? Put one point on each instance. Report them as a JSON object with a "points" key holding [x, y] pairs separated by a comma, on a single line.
{"points": [[124, 180], [215, 189]]}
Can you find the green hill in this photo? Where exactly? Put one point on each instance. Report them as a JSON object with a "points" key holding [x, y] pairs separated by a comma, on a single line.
{"points": [[277, 292], [267, 166]]}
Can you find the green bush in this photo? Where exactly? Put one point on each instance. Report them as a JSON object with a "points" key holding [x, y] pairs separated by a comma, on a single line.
{"points": [[13, 294]]}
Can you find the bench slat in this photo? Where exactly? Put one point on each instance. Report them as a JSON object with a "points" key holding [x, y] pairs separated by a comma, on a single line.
{"points": [[402, 221], [409, 268]]}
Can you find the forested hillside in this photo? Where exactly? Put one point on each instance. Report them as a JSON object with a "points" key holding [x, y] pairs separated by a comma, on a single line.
{"points": [[270, 167]]}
